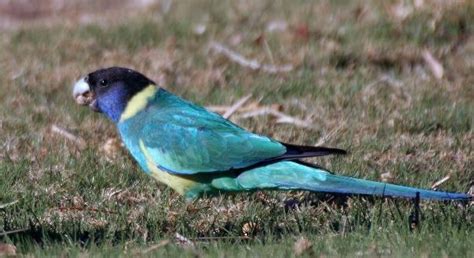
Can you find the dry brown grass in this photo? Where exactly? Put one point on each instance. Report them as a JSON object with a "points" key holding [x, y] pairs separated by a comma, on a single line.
{"points": [[358, 75]]}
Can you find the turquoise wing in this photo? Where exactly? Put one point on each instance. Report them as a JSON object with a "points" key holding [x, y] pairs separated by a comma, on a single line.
{"points": [[184, 138]]}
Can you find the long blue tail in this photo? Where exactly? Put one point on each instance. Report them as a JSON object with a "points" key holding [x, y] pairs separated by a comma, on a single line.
{"points": [[290, 175]]}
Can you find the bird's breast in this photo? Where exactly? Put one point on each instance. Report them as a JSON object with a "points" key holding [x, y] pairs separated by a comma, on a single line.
{"points": [[177, 182]]}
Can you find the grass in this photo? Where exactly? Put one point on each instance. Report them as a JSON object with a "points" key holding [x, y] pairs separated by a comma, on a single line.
{"points": [[95, 202]]}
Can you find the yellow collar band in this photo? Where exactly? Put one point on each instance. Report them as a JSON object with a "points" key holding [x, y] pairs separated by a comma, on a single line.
{"points": [[138, 102]]}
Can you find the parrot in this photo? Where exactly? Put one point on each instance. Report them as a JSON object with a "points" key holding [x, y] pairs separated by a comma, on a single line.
{"points": [[197, 152]]}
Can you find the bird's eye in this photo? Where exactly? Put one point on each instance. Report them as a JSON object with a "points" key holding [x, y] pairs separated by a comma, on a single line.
{"points": [[103, 83]]}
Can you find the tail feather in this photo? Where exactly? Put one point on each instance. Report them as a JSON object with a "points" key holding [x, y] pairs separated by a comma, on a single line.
{"points": [[299, 151], [291, 175]]}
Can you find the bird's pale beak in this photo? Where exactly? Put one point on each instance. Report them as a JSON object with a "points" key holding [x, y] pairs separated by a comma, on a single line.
{"points": [[83, 94]]}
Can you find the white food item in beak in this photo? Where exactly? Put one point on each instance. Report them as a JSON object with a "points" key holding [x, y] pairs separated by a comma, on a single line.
{"points": [[83, 95], [81, 87]]}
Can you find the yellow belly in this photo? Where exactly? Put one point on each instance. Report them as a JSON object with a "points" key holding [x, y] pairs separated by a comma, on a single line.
{"points": [[178, 183]]}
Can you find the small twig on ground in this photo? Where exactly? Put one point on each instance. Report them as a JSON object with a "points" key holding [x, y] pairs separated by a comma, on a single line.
{"points": [[286, 119], [218, 109], [250, 63], [5, 233], [68, 135], [254, 109], [329, 135], [2, 206], [236, 106], [183, 241], [223, 109], [281, 117], [112, 192], [161, 244], [386, 177], [435, 65], [440, 182]]}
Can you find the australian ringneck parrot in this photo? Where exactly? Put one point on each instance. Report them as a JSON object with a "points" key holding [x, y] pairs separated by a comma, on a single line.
{"points": [[195, 151]]}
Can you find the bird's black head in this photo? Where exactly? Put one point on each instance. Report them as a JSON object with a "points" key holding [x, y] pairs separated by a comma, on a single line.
{"points": [[109, 90]]}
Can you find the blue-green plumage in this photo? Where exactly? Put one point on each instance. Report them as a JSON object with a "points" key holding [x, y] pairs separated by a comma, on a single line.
{"points": [[291, 175], [196, 151], [186, 139]]}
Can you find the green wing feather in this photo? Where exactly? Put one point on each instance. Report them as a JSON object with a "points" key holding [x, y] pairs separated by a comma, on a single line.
{"points": [[184, 138]]}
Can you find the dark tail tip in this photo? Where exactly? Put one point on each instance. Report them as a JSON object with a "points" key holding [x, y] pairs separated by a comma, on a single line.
{"points": [[339, 151], [312, 150]]}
